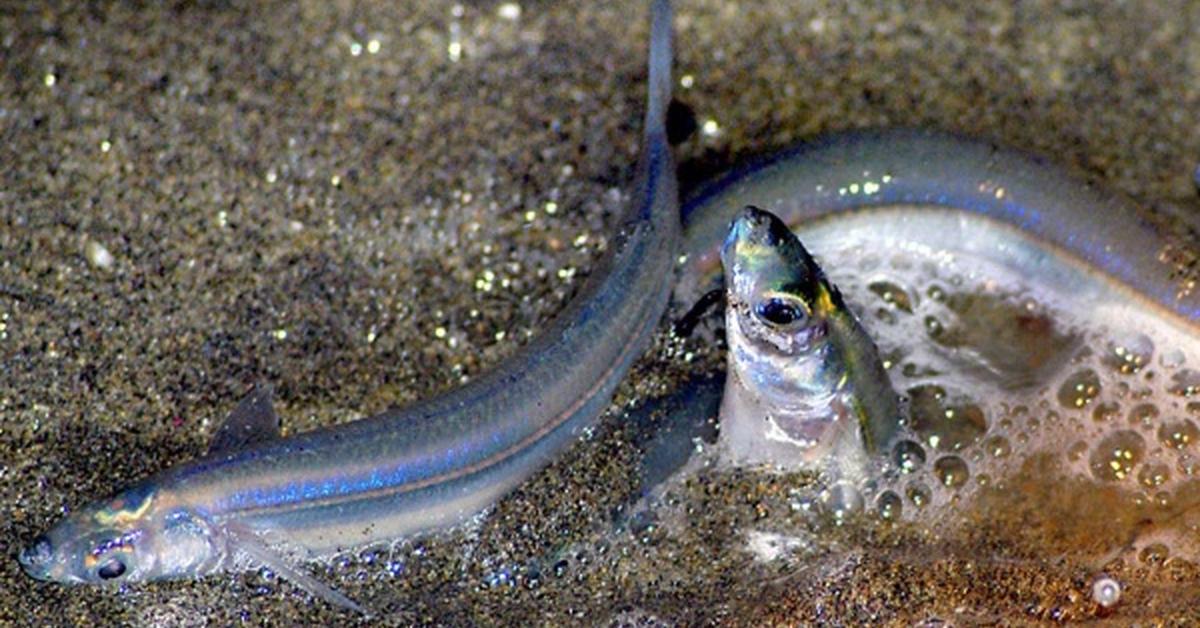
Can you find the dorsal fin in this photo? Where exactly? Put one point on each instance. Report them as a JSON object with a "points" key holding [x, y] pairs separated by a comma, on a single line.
{"points": [[252, 421]]}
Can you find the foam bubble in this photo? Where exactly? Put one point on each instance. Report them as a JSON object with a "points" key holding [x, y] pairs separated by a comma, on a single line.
{"points": [[1116, 455], [1179, 434], [843, 500], [889, 505], [951, 471], [1106, 592], [908, 456], [918, 494], [1079, 389]]}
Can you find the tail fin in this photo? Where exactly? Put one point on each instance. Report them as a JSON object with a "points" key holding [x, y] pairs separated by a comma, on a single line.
{"points": [[658, 95]]}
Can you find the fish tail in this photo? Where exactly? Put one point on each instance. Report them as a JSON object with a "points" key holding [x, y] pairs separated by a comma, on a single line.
{"points": [[658, 96]]}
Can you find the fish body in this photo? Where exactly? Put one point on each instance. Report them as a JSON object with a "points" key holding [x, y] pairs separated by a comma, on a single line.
{"points": [[259, 499], [805, 386], [1001, 204]]}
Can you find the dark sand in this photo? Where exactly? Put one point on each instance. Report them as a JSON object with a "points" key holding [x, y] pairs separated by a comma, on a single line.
{"points": [[282, 201]]}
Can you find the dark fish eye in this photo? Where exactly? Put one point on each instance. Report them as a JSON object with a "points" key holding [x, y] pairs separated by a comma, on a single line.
{"points": [[114, 568], [779, 312]]}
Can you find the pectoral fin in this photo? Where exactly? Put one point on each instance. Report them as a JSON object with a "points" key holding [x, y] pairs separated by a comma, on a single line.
{"points": [[242, 538]]}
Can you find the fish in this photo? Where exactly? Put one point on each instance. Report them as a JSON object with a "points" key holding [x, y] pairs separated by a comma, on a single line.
{"points": [[257, 499], [805, 387], [890, 189]]}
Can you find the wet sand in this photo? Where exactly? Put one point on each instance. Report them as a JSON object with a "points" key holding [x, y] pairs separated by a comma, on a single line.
{"points": [[362, 203]]}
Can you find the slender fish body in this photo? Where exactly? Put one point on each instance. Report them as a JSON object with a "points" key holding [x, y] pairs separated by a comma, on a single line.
{"points": [[256, 498]]}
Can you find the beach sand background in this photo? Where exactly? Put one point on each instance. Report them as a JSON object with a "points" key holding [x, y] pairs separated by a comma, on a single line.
{"points": [[363, 202]]}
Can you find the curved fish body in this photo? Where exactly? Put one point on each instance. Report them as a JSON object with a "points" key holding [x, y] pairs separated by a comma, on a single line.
{"points": [[805, 388], [902, 188], [257, 499], [1002, 204]]}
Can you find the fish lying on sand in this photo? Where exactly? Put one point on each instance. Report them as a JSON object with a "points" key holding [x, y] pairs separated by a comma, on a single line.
{"points": [[257, 499]]}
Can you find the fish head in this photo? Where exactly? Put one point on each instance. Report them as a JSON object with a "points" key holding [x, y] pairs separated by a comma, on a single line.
{"points": [[779, 307], [776, 294], [135, 536]]}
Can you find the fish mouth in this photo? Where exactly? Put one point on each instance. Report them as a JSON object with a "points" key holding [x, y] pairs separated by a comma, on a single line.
{"points": [[759, 227], [36, 558]]}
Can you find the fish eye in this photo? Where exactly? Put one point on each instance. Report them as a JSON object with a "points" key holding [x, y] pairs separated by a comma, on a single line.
{"points": [[779, 312], [114, 568]]}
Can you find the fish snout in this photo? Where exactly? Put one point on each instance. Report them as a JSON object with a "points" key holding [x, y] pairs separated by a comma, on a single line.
{"points": [[753, 225], [37, 557]]}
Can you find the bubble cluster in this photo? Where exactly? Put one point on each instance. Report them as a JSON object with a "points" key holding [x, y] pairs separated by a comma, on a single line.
{"points": [[994, 368]]}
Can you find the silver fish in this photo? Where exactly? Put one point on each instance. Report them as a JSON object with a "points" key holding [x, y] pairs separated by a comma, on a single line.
{"points": [[805, 386], [257, 499]]}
